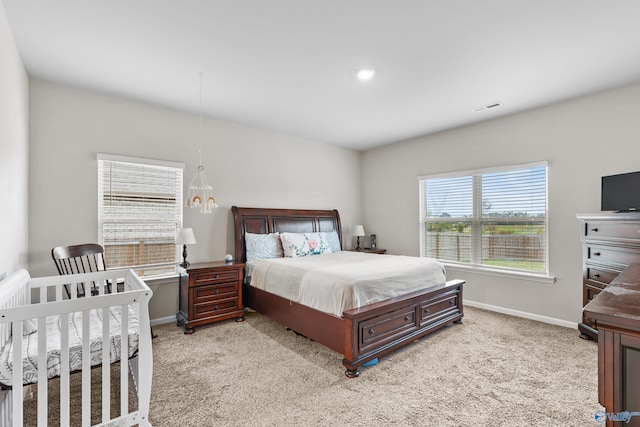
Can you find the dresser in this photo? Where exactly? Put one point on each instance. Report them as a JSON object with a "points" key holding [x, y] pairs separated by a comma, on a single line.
{"points": [[610, 242], [210, 292]]}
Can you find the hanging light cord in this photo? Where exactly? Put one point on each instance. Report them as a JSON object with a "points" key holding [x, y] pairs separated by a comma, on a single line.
{"points": [[200, 149], [200, 192]]}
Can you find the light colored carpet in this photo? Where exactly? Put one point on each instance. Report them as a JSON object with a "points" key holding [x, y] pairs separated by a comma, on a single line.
{"points": [[30, 407], [492, 370]]}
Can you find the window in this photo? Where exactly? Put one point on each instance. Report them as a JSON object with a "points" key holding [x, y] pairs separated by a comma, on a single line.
{"points": [[496, 218], [139, 213]]}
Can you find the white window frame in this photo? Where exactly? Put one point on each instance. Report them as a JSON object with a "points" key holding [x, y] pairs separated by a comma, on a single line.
{"points": [[476, 263], [179, 201]]}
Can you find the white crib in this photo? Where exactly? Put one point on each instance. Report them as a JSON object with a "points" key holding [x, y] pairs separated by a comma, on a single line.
{"points": [[23, 298]]}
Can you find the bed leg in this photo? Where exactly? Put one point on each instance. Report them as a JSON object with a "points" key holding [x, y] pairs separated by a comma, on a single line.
{"points": [[457, 322], [352, 373], [240, 319]]}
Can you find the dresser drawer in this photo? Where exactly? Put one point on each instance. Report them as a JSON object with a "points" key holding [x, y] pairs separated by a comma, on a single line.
{"points": [[600, 277], [211, 277], [590, 293], [607, 255], [612, 230], [215, 308], [207, 293]]}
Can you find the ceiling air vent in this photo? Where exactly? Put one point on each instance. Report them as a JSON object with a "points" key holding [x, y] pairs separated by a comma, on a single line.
{"points": [[488, 107]]}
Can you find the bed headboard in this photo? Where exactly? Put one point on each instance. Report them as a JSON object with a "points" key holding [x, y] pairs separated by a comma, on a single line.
{"points": [[262, 221]]}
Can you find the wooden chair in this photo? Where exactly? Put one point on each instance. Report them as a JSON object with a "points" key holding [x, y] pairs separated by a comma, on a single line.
{"points": [[85, 258]]}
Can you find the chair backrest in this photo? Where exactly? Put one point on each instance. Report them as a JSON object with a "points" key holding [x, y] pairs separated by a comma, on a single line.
{"points": [[85, 258]]}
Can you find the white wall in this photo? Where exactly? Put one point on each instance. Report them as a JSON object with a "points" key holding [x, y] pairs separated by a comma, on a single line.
{"points": [[14, 150], [246, 167], [583, 139]]}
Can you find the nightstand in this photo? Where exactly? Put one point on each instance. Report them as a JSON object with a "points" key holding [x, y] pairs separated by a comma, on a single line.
{"points": [[210, 292], [369, 250]]}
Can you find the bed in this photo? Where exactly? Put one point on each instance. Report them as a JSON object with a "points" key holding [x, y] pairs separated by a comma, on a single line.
{"points": [[361, 334], [37, 314]]}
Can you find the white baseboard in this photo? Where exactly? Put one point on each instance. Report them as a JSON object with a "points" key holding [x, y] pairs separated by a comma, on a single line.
{"points": [[524, 314], [497, 309], [163, 320]]}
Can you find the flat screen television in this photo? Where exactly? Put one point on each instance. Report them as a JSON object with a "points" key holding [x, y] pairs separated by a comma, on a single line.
{"points": [[621, 192]]}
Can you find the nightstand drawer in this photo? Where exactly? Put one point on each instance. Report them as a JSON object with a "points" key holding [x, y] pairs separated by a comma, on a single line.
{"points": [[215, 309], [207, 293], [211, 277]]}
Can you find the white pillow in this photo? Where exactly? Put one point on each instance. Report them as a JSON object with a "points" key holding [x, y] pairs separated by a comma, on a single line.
{"points": [[302, 244], [260, 246]]}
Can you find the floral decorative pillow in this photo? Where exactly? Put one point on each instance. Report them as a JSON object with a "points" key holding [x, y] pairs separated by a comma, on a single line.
{"points": [[302, 244], [260, 246]]}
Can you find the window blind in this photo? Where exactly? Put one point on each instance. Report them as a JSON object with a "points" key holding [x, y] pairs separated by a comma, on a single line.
{"points": [[139, 214], [496, 218]]}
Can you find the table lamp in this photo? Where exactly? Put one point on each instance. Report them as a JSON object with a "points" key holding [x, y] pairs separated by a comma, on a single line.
{"points": [[358, 231], [185, 237]]}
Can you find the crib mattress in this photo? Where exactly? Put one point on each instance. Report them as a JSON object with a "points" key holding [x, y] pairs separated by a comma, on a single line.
{"points": [[54, 325]]}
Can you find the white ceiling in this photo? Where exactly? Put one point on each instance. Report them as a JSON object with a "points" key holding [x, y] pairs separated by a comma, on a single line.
{"points": [[289, 65]]}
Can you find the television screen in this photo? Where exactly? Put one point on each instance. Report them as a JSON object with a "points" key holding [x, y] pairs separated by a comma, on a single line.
{"points": [[621, 192]]}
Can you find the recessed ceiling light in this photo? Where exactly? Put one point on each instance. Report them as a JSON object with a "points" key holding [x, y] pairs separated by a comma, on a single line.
{"points": [[365, 74]]}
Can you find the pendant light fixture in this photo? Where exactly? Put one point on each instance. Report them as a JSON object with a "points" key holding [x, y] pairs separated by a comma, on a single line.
{"points": [[200, 193]]}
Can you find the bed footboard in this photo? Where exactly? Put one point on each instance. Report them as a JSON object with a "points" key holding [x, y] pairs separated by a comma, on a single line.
{"points": [[366, 333], [380, 328]]}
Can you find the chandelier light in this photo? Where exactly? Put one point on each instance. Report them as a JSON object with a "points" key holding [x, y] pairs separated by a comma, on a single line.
{"points": [[200, 193]]}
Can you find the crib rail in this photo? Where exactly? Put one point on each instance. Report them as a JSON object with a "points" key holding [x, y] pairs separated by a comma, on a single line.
{"points": [[23, 299]]}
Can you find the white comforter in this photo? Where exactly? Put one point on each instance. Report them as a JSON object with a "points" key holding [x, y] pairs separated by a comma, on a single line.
{"points": [[340, 281], [54, 324]]}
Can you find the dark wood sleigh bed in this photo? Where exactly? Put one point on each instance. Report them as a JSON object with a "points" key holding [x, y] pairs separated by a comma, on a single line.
{"points": [[364, 333]]}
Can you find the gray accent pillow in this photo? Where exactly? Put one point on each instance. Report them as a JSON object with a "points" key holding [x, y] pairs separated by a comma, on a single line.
{"points": [[334, 241], [260, 246]]}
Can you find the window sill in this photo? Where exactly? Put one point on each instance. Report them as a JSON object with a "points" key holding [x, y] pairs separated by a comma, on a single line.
{"points": [[161, 280], [501, 273]]}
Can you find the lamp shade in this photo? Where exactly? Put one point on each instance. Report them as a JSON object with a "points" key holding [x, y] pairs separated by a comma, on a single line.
{"points": [[185, 237], [358, 230]]}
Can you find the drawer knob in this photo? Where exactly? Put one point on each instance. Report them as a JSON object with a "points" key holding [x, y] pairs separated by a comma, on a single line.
{"points": [[216, 307], [451, 302], [596, 254], [371, 332], [216, 292], [596, 275], [406, 318], [594, 229], [426, 311], [217, 276]]}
